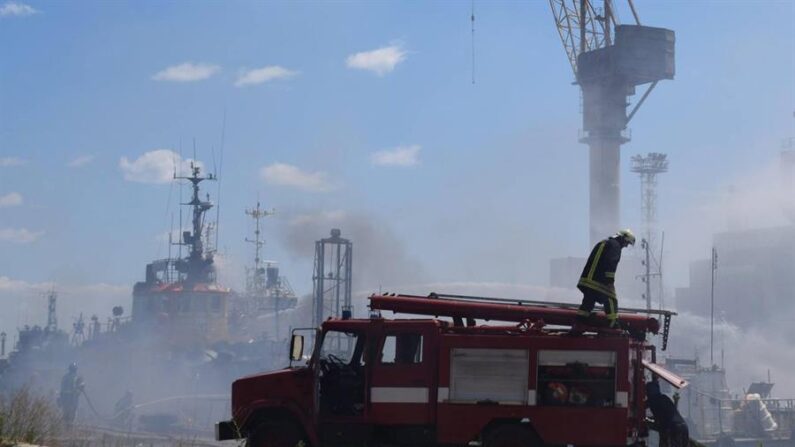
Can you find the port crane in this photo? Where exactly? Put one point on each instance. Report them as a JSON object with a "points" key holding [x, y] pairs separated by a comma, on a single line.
{"points": [[609, 61]]}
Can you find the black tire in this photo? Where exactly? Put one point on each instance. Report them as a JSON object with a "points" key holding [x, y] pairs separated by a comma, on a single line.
{"points": [[277, 433], [512, 435]]}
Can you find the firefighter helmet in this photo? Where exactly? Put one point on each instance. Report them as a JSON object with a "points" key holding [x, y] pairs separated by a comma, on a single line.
{"points": [[627, 235]]}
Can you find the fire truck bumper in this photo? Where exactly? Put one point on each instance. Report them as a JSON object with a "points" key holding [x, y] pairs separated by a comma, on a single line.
{"points": [[226, 430]]}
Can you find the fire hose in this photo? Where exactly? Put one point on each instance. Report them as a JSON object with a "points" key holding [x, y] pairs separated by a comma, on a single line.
{"points": [[91, 405]]}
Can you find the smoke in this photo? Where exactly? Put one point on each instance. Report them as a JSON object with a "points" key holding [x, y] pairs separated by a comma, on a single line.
{"points": [[25, 303], [230, 271], [760, 199], [757, 333], [379, 257], [748, 355]]}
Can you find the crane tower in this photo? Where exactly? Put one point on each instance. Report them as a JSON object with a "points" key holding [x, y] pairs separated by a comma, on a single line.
{"points": [[609, 61]]}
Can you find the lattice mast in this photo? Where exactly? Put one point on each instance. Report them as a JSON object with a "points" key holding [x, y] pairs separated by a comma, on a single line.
{"points": [[52, 317], [333, 277], [648, 167], [256, 279]]}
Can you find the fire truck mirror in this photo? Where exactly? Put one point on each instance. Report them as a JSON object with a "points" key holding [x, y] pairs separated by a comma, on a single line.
{"points": [[296, 347]]}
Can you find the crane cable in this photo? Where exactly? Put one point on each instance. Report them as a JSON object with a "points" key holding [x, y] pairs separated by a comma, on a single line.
{"points": [[472, 20]]}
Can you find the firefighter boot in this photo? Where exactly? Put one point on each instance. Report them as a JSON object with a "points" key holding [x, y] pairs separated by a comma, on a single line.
{"points": [[580, 322]]}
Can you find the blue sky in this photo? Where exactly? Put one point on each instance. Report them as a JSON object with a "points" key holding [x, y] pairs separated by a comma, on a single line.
{"points": [[493, 180]]}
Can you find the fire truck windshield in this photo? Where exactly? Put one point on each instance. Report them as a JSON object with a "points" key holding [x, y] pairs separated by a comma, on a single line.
{"points": [[339, 347]]}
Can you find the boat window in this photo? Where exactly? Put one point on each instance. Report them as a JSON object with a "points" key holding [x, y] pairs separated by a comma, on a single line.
{"points": [[216, 303]]}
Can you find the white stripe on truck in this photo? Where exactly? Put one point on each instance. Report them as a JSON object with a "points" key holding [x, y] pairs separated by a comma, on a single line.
{"points": [[622, 399], [398, 395]]}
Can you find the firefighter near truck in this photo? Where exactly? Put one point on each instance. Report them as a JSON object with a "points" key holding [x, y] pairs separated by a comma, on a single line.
{"points": [[522, 380]]}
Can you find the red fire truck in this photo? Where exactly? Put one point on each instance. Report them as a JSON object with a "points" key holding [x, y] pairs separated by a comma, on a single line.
{"points": [[531, 377]]}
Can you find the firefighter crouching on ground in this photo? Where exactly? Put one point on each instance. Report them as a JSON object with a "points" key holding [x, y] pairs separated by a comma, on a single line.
{"points": [[71, 387], [667, 421], [598, 277]]}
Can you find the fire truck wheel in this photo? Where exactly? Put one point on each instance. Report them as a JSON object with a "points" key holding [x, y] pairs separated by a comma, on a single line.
{"points": [[282, 433], [512, 435]]}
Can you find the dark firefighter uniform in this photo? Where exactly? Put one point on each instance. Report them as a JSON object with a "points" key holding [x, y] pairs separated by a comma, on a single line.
{"points": [[598, 278], [667, 420], [71, 387]]}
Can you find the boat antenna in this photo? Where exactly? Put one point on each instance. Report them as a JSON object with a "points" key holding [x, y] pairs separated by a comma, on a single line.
{"points": [[180, 197], [220, 169]]}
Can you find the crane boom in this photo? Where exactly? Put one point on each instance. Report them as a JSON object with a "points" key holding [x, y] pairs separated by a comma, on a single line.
{"points": [[580, 28]]}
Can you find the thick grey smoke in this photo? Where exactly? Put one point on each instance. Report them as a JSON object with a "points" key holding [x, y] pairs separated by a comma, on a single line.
{"points": [[748, 355], [759, 337], [379, 259]]}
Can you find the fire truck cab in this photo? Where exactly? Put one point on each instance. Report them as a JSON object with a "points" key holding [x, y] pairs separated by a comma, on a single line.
{"points": [[429, 382]]}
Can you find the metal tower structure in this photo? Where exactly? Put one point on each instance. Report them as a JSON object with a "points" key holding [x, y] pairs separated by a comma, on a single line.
{"points": [[648, 167], [332, 277], [609, 60], [52, 317]]}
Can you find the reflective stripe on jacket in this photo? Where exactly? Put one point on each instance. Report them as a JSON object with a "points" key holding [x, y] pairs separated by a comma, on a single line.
{"points": [[600, 270]]}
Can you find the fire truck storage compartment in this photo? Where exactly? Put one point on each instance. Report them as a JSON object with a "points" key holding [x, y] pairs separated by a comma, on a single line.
{"points": [[489, 375], [577, 378]]}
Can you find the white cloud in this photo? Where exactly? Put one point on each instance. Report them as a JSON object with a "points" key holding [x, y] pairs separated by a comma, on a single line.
{"points": [[264, 74], [14, 9], [156, 166], [6, 162], [288, 175], [80, 161], [403, 156], [186, 72], [380, 61], [19, 235], [11, 199], [16, 285]]}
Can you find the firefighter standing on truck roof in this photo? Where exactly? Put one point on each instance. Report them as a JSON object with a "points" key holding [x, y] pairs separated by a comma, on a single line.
{"points": [[598, 277]]}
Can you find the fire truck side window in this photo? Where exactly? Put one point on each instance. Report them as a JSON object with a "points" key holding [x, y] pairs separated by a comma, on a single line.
{"points": [[342, 373], [402, 349], [339, 346], [576, 378]]}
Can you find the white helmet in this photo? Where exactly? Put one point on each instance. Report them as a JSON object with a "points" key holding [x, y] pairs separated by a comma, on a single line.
{"points": [[627, 235]]}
